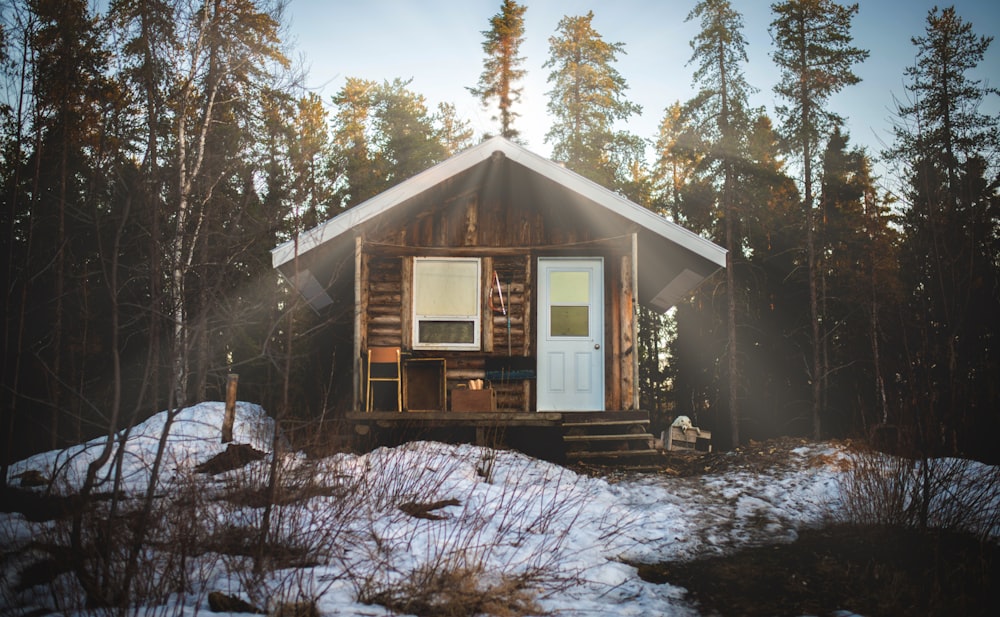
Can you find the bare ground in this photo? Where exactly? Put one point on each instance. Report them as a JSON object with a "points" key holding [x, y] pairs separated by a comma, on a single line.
{"points": [[869, 571]]}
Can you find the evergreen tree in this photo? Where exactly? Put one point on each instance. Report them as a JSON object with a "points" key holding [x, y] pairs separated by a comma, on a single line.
{"points": [[383, 134], [777, 307], [678, 156], [501, 68], [814, 54], [662, 369], [405, 131], [309, 151], [858, 282], [355, 162], [719, 49], [148, 31], [586, 100], [454, 133], [68, 88], [949, 254]]}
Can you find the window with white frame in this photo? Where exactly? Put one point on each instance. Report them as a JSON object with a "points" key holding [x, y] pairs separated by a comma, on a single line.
{"points": [[446, 302]]}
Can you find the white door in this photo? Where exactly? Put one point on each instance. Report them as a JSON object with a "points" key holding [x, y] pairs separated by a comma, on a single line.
{"points": [[570, 334]]}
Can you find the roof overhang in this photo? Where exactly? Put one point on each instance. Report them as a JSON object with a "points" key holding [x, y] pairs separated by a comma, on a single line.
{"points": [[672, 260]]}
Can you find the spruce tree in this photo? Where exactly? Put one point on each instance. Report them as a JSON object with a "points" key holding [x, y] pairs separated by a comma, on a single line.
{"points": [[858, 284], [586, 99], [814, 54], [501, 68], [678, 155], [719, 50], [951, 231]]}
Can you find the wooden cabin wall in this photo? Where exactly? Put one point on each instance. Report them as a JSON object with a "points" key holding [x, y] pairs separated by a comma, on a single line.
{"points": [[508, 238], [383, 315], [386, 312], [512, 334], [619, 323]]}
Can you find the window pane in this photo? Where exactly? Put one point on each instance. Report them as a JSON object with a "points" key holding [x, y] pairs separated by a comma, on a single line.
{"points": [[443, 332], [569, 287], [569, 320], [446, 287]]}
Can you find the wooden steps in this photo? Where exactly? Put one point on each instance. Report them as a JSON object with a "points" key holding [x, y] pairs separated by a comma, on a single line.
{"points": [[593, 436]]}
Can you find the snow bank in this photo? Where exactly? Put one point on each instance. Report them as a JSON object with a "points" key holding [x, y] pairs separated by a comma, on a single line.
{"points": [[498, 513], [195, 435]]}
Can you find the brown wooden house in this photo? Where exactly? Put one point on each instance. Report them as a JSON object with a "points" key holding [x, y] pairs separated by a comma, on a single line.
{"points": [[502, 266]]}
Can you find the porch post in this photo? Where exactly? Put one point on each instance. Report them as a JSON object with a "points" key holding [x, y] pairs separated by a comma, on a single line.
{"points": [[633, 320], [360, 272]]}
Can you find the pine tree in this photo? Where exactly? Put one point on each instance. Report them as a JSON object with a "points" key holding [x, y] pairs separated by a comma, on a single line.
{"points": [[501, 68], [309, 152], [814, 54], [776, 300], [718, 51], [951, 237], [454, 133], [352, 156], [68, 87], [678, 155], [147, 29], [586, 100], [383, 134], [858, 282]]}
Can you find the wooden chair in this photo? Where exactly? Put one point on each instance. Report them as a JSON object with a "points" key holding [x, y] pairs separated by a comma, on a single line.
{"points": [[388, 368]]}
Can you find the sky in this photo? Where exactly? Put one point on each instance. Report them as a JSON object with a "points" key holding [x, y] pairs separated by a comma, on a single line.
{"points": [[438, 43]]}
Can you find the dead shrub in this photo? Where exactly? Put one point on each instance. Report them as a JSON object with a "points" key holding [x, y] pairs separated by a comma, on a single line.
{"points": [[877, 489], [431, 591], [270, 532], [951, 494], [125, 555], [481, 534]]}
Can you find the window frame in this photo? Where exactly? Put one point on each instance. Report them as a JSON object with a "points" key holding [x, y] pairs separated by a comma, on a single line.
{"points": [[418, 318]]}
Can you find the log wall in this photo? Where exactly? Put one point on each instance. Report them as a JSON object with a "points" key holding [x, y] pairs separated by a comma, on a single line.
{"points": [[508, 240]]}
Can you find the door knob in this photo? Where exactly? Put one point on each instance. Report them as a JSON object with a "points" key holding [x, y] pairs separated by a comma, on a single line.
{"points": [[597, 345]]}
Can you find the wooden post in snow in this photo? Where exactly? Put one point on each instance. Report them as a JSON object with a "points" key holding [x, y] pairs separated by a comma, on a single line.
{"points": [[227, 423]]}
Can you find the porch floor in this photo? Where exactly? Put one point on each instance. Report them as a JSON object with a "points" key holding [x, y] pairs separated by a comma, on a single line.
{"points": [[494, 418]]}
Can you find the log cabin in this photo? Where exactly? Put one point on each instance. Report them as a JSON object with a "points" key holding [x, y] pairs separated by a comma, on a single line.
{"points": [[504, 288]]}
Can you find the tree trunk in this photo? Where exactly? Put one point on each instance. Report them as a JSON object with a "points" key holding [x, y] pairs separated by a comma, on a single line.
{"points": [[816, 377]]}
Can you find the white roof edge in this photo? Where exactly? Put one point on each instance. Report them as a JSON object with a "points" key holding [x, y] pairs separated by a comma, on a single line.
{"points": [[467, 158], [622, 206], [285, 252]]}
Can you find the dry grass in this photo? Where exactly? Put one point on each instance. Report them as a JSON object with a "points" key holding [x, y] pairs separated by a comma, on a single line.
{"points": [[461, 592], [950, 494]]}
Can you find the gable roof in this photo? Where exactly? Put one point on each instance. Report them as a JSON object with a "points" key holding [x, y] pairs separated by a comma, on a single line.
{"points": [[672, 259]]}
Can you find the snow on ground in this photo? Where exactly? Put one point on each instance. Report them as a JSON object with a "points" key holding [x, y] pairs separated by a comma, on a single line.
{"points": [[570, 534], [194, 437]]}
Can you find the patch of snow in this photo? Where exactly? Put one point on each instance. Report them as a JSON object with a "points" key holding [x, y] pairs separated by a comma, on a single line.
{"points": [[195, 435], [576, 532]]}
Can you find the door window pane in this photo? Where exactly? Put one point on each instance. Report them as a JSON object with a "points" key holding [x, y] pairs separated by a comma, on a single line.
{"points": [[569, 287], [569, 320]]}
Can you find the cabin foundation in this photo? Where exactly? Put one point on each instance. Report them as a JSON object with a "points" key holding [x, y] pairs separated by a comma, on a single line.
{"points": [[553, 435]]}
